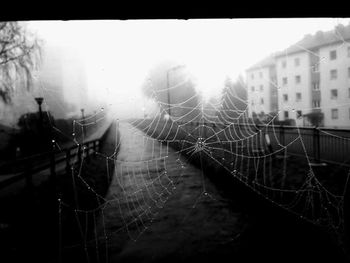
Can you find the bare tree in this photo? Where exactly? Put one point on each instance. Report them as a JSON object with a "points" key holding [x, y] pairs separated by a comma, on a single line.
{"points": [[19, 55], [173, 87]]}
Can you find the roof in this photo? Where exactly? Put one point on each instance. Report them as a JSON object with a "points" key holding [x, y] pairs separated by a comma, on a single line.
{"points": [[319, 39], [339, 34], [266, 62]]}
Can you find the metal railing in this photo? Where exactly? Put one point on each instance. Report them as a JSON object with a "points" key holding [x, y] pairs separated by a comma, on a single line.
{"points": [[318, 144], [28, 166], [315, 143]]}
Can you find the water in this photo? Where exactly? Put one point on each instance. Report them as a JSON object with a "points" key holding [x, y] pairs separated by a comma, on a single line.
{"points": [[188, 216]]}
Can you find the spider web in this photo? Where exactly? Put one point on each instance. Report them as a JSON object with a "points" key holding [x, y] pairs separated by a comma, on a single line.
{"points": [[143, 180]]}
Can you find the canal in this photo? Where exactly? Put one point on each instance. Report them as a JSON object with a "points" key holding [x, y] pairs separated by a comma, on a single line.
{"points": [[162, 208]]}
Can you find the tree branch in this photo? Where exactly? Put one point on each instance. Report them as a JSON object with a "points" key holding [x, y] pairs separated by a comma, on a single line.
{"points": [[18, 56]]}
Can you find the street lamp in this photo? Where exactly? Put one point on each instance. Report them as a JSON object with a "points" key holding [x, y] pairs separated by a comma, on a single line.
{"points": [[40, 100], [144, 112], [82, 119], [82, 115], [167, 81]]}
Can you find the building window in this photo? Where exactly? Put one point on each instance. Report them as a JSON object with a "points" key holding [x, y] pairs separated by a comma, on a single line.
{"points": [[315, 67], [297, 79], [252, 76], [253, 89], [334, 94], [316, 85], [298, 96], [284, 64], [285, 97], [261, 87], [333, 55], [260, 74], [286, 114], [334, 113], [285, 81], [348, 52], [316, 103], [334, 74], [348, 72], [299, 113], [261, 101], [297, 62]]}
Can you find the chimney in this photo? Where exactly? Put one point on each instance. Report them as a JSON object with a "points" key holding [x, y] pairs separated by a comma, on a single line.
{"points": [[319, 34], [340, 28], [307, 36]]}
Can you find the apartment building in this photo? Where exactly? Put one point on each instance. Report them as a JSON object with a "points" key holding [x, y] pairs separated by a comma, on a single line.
{"points": [[294, 85], [262, 88], [335, 84], [313, 75]]}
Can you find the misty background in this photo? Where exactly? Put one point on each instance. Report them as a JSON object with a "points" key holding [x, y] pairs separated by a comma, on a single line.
{"points": [[98, 65]]}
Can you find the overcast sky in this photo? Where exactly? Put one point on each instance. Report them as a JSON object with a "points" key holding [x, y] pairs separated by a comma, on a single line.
{"points": [[118, 54]]}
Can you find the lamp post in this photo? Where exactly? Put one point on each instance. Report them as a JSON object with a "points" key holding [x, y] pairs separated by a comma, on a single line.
{"points": [[82, 120], [167, 81], [40, 100]]}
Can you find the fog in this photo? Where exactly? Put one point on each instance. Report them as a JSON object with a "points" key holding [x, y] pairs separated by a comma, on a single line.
{"points": [[105, 63], [259, 158]]}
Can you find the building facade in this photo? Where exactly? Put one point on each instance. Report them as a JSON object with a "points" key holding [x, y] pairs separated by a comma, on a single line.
{"points": [[262, 88], [294, 86], [335, 84], [312, 78]]}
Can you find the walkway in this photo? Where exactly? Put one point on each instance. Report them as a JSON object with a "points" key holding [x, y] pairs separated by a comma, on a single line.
{"points": [[163, 208]]}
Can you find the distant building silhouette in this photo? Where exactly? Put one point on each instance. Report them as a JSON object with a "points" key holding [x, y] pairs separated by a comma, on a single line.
{"points": [[61, 81], [50, 81]]}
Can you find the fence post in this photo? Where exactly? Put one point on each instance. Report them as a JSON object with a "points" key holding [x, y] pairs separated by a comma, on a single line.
{"points": [[316, 144], [79, 154], [260, 134], [52, 165], [204, 130], [87, 150], [282, 140], [29, 176], [94, 147], [68, 160], [346, 206]]}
